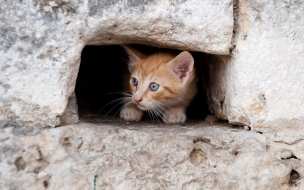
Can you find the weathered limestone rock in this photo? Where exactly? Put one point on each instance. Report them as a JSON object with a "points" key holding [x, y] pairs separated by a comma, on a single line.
{"points": [[41, 43], [70, 115], [261, 84], [114, 155]]}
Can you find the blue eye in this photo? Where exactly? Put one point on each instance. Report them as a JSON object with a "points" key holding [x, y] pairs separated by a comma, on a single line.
{"points": [[134, 81], [154, 86]]}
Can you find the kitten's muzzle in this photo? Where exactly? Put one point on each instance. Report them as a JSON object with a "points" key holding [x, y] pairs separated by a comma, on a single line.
{"points": [[141, 107], [137, 98]]}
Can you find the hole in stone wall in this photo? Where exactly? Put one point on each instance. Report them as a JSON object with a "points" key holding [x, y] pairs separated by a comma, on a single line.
{"points": [[45, 184], [20, 164], [100, 77], [294, 177]]}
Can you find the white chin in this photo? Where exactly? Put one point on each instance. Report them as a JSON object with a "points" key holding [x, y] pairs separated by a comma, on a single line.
{"points": [[142, 107]]}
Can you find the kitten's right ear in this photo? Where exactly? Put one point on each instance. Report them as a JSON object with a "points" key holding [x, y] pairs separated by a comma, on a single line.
{"points": [[134, 55], [181, 66]]}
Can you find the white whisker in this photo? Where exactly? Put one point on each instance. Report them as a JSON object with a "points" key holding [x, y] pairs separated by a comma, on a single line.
{"points": [[117, 92], [161, 115], [180, 99], [127, 104], [166, 109], [149, 112], [119, 103], [154, 111], [112, 102]]}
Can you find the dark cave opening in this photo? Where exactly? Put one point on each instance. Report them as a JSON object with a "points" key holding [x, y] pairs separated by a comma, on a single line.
{"points": [[100, 81]]}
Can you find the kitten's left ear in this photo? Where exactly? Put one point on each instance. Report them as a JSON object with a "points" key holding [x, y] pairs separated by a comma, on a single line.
{"points": [[181, 66], [133, 54]]}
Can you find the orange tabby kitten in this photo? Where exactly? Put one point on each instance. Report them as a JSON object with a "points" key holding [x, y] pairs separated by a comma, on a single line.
{"points": [[162, 84]]}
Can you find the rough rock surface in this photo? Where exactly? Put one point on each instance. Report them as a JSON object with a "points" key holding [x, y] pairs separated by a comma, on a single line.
{"points": [[41, 43], [261, 84], [111, 154], [70, 115]]}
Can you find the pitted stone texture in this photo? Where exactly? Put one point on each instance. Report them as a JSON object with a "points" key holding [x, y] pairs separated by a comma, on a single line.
{"points": [[41, 43], [261, 85], [143, 156], [70, 115], [185, 24]]}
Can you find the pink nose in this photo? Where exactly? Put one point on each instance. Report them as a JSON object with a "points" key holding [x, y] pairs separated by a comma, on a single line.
{"points": [[137, 99]]}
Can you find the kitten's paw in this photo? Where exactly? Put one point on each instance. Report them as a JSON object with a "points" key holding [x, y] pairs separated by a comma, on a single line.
{"points": [[131, 114], [175, 116]]}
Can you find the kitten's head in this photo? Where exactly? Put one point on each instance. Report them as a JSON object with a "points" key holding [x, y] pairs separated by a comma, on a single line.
{"points": [[160, 79]]}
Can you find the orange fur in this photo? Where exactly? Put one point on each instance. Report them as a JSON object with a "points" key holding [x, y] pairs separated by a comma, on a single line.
{"points": [[176, 80]]}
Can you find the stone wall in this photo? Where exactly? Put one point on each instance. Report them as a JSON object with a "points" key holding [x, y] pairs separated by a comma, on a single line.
{"points": [[41, 43], [260, 84], [254, 73], [113, 155]]}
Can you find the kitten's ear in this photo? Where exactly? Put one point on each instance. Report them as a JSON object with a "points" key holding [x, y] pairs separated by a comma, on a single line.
{"points": [[181, 66], [134, 55]]}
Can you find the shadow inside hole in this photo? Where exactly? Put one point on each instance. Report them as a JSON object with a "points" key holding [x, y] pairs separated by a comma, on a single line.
{"points": [[100, 73], [45, 184], [294, 177], [100, 81]]}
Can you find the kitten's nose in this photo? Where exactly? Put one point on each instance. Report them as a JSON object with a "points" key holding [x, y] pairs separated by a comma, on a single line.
{"points": [[137, 99]]}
